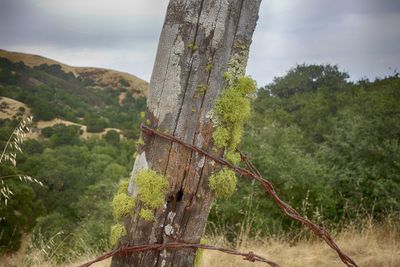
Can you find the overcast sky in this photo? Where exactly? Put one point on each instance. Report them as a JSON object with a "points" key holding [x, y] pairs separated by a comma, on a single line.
{"points": [[361, 36]]}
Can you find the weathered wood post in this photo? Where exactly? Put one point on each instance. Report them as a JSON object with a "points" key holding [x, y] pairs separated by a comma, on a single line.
{"points": [[200, 41]]}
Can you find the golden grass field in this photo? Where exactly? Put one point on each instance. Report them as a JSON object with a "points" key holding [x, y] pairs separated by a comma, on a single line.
{"points": [[373, 246]]}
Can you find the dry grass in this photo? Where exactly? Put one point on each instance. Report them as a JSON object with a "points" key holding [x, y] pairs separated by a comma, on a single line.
{"points": [[10, 107], [121, 98], [85, 134], [373, 246]]}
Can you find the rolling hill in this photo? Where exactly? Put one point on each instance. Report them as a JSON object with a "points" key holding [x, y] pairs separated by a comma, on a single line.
{"points": [[93, 98], [100, 77]]}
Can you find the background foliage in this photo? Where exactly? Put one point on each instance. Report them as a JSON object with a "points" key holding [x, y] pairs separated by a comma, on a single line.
{"points": [[330, 147]]}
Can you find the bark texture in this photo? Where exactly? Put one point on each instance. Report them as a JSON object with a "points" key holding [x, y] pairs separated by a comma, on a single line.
{"points": [[198, 40]]}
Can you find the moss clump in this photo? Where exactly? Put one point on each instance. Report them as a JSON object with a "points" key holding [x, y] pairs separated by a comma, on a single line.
{"points": [[221, 137], [147, 214], [122, 205], [123, 186], [140, 142], [232, 110], [233, 107], [245, 85], [209, 67], [152, 187], [223, 183], [232, 156], [193, 47], [117, 231], [202, 88]]}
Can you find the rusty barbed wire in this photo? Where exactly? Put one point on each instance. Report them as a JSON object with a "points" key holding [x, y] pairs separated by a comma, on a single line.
{"points": [[141, 248], [267, 186], [251, 172]]}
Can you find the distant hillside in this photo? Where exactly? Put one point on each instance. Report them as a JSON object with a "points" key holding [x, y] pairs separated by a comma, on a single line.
{"points": [[43, 88], [99, 77], [10, 108]]}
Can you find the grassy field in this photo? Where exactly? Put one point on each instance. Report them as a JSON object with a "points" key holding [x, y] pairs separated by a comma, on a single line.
{"points": [[371, 246]]}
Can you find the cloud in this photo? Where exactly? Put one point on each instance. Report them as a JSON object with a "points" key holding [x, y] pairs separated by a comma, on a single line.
{"points": [[70, 24], [105, 8], [359, 35]]}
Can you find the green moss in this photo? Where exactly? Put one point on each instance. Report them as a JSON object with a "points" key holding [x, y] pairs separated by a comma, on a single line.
{"points": [[140, 142], [221, 137], [232, 157], [123, 186], [147, 214], [232, 110], [233, 107], [199, 253], [223, 183], [209, 67], [193, 47], [241, 46], [202, 88], [117, 231], [152, 187], [226, 76], [246, 85], [122, 205]]}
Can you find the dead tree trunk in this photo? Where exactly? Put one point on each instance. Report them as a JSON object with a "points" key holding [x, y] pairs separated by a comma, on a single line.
{"points": [[199, 39]]}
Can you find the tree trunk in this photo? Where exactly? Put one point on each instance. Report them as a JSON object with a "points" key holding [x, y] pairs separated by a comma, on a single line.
{"points": [[198, 41]]}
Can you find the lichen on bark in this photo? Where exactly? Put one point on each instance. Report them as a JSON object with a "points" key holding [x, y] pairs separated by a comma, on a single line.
{"points": [[233, 107], [151, 189], [231, 111], [122, 205], [117, 231], [223, 183]]}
